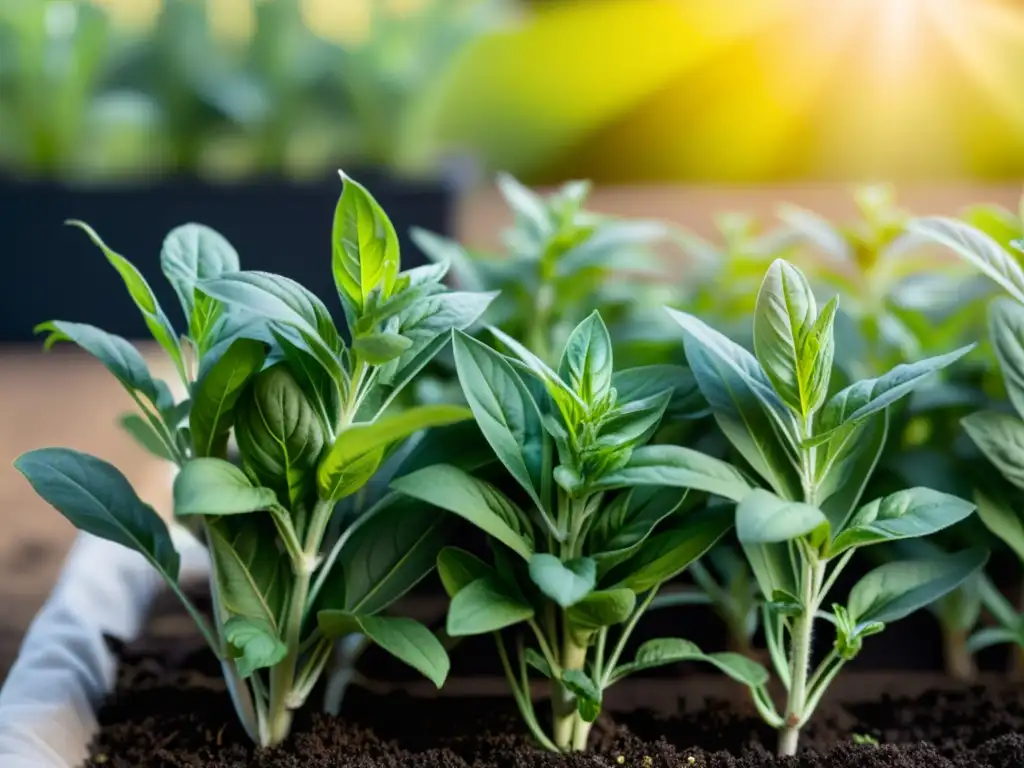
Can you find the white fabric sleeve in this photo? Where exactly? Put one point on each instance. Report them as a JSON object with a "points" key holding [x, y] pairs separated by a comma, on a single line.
{"points": [[64, 669]]}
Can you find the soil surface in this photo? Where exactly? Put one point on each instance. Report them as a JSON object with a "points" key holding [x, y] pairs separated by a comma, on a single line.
{"points": [[170, 710]]}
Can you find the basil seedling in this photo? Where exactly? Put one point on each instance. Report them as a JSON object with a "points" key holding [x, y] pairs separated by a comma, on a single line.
{"points": [[585, 523], [263, 362], [816, 453]]}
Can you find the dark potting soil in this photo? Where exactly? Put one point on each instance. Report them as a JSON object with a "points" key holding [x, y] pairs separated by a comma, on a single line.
{"points": [[170, 710]]}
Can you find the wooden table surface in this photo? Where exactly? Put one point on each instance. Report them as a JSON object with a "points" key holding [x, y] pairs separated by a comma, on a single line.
{"points": [[65, 398]]}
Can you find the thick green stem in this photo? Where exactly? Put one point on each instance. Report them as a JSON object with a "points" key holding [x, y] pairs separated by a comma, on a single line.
{"points": [[563, 702], [800, 655], [958, 660]]}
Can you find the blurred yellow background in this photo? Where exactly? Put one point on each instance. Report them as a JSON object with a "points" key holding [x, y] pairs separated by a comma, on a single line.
{"points": [[723, 90]]}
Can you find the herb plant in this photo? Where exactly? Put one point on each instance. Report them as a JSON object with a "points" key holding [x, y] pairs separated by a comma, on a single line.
{"points": [[561, 262], [585, 521], [816, 453], [263, 362], [997, 433]]}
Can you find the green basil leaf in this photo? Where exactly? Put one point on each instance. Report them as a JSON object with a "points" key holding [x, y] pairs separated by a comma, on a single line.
{"points": [[1000, 437], [558, 389], [98, 499], [117, 354], [320, 387], [144, 434], [817, 230], [142, 295], [645, 381], [784, 314], [668, 553], [279, 435], [253, 580], [216, 393], [678, 467], [852, 405], [282, 300], [364, 245], [459, 568], [846, 465], [486, 605], [257, 643], [745, 406], [905, 514], [472, 499], [588, 695], [566, 583], [361, 441], [671, 650], [380, 348], [214, 487], [764, 518], [190, 253], [388, 552], [460, 445], [505, 411], [623, 525], [603, 608], [586, 363], [989, 636], [975, 247], [1001, 519], [538, 662], [633, 423], [405, 639], [897, 589], [1006, 329]]}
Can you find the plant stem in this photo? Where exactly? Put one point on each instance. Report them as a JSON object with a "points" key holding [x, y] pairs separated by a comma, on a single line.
{"points": [[800, 654], [958, 660], [563, 702], [282, 676]]}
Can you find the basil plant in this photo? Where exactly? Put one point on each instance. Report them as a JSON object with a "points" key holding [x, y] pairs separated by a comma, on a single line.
{"points": [[997, 433], [584, 518], [264, 364], [816, 452], [561, 262]]}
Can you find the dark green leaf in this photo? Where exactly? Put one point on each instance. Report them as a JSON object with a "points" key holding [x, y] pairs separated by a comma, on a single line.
{"points": [[475, 500], [678, 467], [741, 398], [117, 354], [252, 578], [256, 642], [588, 695], [144, 434], [216, 393], [143, 297], [1000, 437], [410, 642], [486, 605], [623, 525], [905, 514], [459, 568], [897, 589], [603, 608], [639, 383], [668, 553], [671, 650], [504, 409], [388, 552], [1000, 518]]}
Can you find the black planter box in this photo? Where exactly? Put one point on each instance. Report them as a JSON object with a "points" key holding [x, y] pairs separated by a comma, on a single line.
{"points": [[52, 271]]}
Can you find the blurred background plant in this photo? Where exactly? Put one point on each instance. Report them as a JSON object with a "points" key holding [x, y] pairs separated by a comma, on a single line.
{"points": [[85, 96]]}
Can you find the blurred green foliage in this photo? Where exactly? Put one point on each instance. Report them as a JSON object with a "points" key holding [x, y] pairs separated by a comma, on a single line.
{"points": [[83, 98]]}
